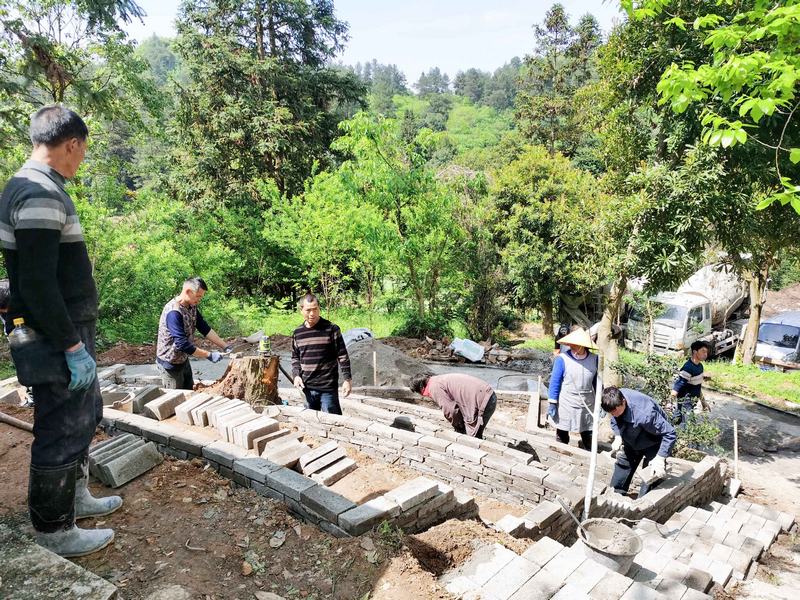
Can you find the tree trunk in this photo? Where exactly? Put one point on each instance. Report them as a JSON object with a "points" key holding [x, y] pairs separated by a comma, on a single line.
{"points": [[758, 288], [547, 317], [253, 379], [605, 342]]}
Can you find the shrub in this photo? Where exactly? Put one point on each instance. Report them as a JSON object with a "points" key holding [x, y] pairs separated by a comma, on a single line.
{"points": [[435, 325]]}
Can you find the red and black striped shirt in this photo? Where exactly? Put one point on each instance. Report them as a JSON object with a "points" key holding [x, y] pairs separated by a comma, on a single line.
{"points": [[317, 354]]}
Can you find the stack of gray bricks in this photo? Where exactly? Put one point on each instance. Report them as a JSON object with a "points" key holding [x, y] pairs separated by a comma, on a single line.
{"points": [[120, 459]]}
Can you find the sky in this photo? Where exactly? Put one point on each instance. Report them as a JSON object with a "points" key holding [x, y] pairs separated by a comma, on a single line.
{"points": [[417, 35]]}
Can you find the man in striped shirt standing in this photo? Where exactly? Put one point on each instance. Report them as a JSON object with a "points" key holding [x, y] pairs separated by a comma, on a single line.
{"points": [[687, 389], [53, 294], [318, 351]]}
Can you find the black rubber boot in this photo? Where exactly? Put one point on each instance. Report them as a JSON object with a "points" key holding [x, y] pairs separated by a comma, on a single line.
{"points": [[51, 500]]}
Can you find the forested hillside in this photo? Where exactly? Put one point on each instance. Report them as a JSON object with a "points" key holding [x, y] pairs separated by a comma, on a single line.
{"points": [[245, 152]]}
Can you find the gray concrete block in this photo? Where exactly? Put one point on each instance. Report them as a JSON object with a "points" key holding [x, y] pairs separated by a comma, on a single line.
{"points": [[413, 492], [130, 465], [289, 483], [200, 413], [214, 410], [223, 453], [189, 441], [286, 456], [155, 431], [510, 578], [325, 502], [29, 571], [111, 451], [145, 395], [245, 435], [322, 462], [163, 407], [317, 452], [465, 452], [183, 412], [255, 468], [541, 586], [542, 551], [232, 415], [105, 445], [260, 443], [528, 473], [266, 491], [364, 517], [330, 475], [227, 424]]}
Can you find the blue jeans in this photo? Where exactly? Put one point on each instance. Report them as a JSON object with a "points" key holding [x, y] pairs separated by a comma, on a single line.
{"points": [[325, 400], [683, 408]]}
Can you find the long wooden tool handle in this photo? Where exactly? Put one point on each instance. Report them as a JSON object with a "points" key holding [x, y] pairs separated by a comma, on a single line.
{"points": [[4, 418], [285, 372]]}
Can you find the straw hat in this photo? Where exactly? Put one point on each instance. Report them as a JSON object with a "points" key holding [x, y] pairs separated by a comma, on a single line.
{"points": [[579, 337]]}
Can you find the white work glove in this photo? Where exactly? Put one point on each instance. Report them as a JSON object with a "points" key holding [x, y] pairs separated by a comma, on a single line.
{"points": [[298, 383], [616, 445], [659, 466]]}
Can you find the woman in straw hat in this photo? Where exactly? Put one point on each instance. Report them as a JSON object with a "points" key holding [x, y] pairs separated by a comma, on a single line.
{"points": [[572, 388]]}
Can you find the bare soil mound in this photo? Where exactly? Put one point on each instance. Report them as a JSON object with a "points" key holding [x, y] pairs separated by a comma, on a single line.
{"points": [[785, 299], [394, 366]]}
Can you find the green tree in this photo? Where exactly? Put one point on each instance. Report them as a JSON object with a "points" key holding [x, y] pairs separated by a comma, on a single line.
{"points": [[545, 210], [390, 174], [471, 84], [432, 82], [72, 52], [559, 66], [261, 101], [746, 86]]}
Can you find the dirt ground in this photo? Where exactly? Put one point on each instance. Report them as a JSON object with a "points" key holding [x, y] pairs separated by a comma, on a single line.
{"points": [[184, 531], [786, 299]]}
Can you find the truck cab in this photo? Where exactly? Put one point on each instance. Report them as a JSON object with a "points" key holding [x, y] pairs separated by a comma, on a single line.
{"points": [[679, 318]]}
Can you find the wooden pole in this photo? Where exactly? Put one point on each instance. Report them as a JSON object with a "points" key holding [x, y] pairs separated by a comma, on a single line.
{"points": [[532, 420], [735, 449], [8, 419], [598, 395]]}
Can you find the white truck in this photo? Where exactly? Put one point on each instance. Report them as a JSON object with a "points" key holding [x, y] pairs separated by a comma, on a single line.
{"points": [[706, 307]]}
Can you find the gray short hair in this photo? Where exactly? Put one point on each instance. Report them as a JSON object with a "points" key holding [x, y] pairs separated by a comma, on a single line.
{"points": [[195, 284], [54, 124], [309, 298]]}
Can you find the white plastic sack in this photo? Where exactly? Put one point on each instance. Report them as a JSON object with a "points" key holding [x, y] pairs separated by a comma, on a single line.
{"points": [[356, 335], [470, 350]]}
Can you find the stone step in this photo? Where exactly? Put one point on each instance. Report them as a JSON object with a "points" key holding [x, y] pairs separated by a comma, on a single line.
{"points": [[30, 571], [673, 543], [707, 524], [784, 519]]}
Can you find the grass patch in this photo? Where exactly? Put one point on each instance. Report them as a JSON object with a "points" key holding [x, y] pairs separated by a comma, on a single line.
{"points": [[749, 380], [544, 344], [7, 369]]}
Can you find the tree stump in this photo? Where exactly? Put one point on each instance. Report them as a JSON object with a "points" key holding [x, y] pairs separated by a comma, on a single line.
{"points": [[254, 379]]}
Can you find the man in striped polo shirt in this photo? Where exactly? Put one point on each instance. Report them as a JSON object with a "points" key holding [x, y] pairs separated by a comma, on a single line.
{"points": [[318, 350], [53, 290]]}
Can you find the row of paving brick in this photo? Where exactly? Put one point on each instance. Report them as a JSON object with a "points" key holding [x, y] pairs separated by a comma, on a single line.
{"points": [[697, 551], [499, 471], [415, 505]]}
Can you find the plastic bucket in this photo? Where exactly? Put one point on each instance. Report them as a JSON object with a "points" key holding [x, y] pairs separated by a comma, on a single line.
{"points": [[612, 544]]}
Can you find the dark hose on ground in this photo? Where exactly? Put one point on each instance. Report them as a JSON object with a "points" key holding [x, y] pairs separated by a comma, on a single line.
{"points": [[8, 419]]}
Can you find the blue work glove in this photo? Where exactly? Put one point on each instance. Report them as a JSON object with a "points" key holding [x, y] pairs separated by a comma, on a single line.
{"points": [[82, 368], [552, 410], [215, 357]]}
